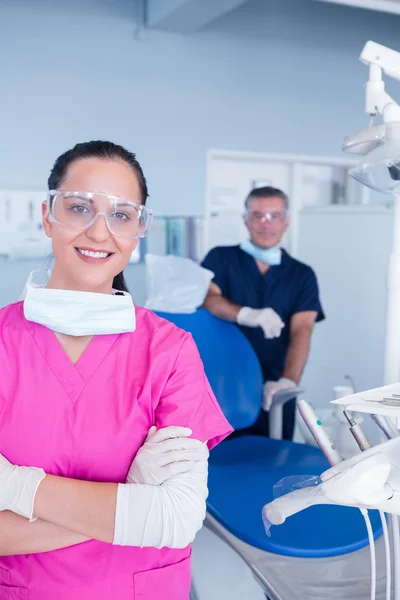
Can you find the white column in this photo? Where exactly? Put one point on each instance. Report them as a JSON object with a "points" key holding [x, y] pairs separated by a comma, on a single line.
{"points": [[392, 350]]}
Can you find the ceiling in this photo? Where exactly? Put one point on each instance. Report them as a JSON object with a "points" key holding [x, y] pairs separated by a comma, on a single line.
{"points": [[388, 6], [187, 16]]}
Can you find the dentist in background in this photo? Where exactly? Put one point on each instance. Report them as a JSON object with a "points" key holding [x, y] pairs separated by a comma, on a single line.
{"points": [[273, 298]]}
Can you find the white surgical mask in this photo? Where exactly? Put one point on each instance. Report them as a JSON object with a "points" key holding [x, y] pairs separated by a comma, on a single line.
{"points": [[269, 256], [79, 313]]}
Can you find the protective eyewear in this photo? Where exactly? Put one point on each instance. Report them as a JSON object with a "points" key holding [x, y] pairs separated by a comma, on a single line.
{"points": [[80, 210], [272, 217]]}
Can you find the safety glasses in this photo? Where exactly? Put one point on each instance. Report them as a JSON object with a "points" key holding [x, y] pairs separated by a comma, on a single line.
{"points": [[272, 217], [80, 210]]}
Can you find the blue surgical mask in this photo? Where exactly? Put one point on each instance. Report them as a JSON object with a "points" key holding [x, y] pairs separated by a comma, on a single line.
{"points": [[269, 256]]}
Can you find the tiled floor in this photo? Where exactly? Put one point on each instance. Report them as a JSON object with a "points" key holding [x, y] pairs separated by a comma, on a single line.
{"points": [[219, 573]]}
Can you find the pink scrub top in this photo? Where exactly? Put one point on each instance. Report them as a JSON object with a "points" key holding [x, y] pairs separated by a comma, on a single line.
{"points": [[87, 421]]}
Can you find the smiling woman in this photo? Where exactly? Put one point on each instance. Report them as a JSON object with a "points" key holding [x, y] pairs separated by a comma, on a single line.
{"points": [[98, 398], [95, 179]]}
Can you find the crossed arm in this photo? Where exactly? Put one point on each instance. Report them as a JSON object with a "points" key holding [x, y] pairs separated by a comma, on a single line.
{"points": [[219, 306], [18, 536], [301, 327], [69, 512]]}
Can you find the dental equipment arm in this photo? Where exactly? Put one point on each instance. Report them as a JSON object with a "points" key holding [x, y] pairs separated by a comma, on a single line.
{"points": [[381, 59], [385, 426], [277, 511], [362, 484], [377, 101]]}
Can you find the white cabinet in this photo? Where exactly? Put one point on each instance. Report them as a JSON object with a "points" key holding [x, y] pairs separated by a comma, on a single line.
{"points": [[308, 181]]}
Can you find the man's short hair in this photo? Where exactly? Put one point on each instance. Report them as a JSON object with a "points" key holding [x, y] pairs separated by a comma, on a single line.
{"points": [[267, 192]]}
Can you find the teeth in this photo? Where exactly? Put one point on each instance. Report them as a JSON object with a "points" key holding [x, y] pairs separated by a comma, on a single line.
{"points": [[93, 254]]}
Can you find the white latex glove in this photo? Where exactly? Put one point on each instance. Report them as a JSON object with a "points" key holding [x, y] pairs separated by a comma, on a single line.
{"points": [[266, 318], [272, 387], [18, 487], [167, 515], [164, 454]]}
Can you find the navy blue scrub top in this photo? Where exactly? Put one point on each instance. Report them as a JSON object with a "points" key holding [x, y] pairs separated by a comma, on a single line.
{"points": [[288, 288]]}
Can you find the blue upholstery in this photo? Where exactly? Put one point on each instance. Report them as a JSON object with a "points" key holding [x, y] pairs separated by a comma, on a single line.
{"points": [[224, 349], [243, 471], [242, 474]]}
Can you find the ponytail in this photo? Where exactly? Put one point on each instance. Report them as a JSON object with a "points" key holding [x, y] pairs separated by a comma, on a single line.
{"points": [[119, 283]]}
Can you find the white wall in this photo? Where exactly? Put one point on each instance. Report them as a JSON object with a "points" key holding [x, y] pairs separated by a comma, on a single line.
{"points": [[272, 76], [351, 259]]}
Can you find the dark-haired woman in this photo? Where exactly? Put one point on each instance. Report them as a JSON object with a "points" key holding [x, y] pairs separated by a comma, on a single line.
{"points": [[104, 408]]}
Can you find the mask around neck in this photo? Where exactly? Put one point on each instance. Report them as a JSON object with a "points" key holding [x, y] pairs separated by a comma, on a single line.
{"points": [[269, 256], [78, 313]]}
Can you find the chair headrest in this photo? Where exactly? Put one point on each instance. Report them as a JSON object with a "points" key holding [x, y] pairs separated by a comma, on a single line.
{"points": [[230, 363]]}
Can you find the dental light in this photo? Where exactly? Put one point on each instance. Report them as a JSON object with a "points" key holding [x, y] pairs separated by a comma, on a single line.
{"points": [[379, 169], [370, 480]]}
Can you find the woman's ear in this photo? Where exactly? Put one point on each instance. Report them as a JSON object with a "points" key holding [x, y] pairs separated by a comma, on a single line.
{"points": [[45, 220]]}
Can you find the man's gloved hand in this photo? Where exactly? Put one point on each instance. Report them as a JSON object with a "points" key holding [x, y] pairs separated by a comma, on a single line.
{"points": [[18, 486], [272, 387], [266, 318], [166, 453]]}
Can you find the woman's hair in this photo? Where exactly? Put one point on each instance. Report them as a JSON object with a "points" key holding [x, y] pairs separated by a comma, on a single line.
{"points": [[105, 151]]}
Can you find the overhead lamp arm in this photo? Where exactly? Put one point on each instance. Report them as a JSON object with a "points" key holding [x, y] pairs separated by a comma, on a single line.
{"points": [[377, 99], [381, 60]]}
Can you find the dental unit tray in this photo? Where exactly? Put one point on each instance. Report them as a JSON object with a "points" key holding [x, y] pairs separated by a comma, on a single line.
{"points": [[380, 401]]}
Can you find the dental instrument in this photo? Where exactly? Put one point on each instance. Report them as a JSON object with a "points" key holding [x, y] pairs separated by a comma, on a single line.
{"points": [[333, 457], [364, 443], [385, 426], [357, 433], [319, 433]]}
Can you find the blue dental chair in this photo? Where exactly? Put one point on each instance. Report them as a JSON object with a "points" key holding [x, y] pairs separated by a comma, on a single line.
{"points": [[329, 540]]}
